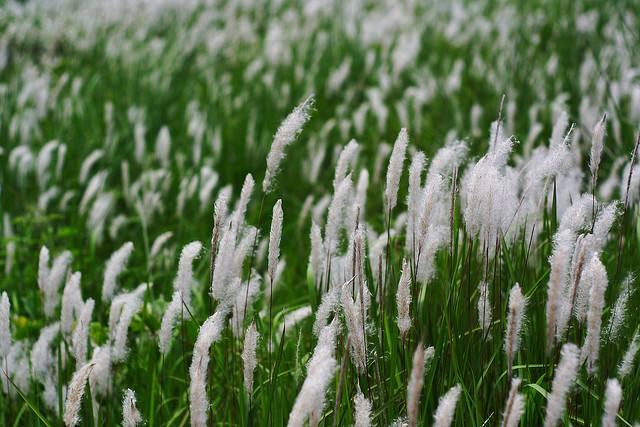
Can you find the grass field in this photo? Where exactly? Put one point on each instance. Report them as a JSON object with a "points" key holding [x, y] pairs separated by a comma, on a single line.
{"points": [[319, 213]]}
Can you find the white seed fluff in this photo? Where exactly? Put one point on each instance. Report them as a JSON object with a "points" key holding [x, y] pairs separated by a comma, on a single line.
{"points": [[394, 172], [249, 361], [130, 415], [613, 397], [115, 265], [285, 135], [447, 407], [563, 381]]}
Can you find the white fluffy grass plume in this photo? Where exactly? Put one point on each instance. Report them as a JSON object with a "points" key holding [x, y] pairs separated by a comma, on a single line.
{"points": [[320, 369], [115, 265], [394, 172], [131, 417], [210, 332], [515, 318], [563, 381], [75, 394], [514, 407], [285, 135], [249, 361], [447, 407], [421, 357]]}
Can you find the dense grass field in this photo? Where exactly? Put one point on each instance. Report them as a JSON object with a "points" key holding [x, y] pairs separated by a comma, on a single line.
{"points": [[325, 213]]}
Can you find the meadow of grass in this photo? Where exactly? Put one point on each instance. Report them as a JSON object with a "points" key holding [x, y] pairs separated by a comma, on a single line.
{"points": [[322, 212]]}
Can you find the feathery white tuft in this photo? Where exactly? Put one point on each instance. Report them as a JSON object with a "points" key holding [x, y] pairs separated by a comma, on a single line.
{"points": [[414, 200], [447, 407], [81, 333], [597, 144], [285, 135], [346, 162], [563, 381], [514, 407], [184, 280], [597, 275], [71, 303], [515, 316], [421, 356], [394, 172], [169, 317], [403, 300], [619, 310], [74, 395], [484, 310], [130, 415], [626, 364], [249, 361], [317, 254], [320, 370], [5, 331], [362, 416], [274, 240], [115, 265], [209, 332], [613, 397]]}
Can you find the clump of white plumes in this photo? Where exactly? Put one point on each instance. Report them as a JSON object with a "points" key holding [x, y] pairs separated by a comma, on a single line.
{"points": [[597, 144], [485, 314], [403, 300], [362, 416], [115, 265], [285, 135], [123, 308], [626, 364], [320, 370], [489, 194], [597, 276], [71, 303], [5, 331], [618, 312], [209, 332], [184, 280], [394, 172], [613, 397], [447, 407], [249, 360], [562, 383], [274, 240], [515, 317], [514, 407], [130, 415], [81, 333], [50, 278], [74, 395], [421, 356]]}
